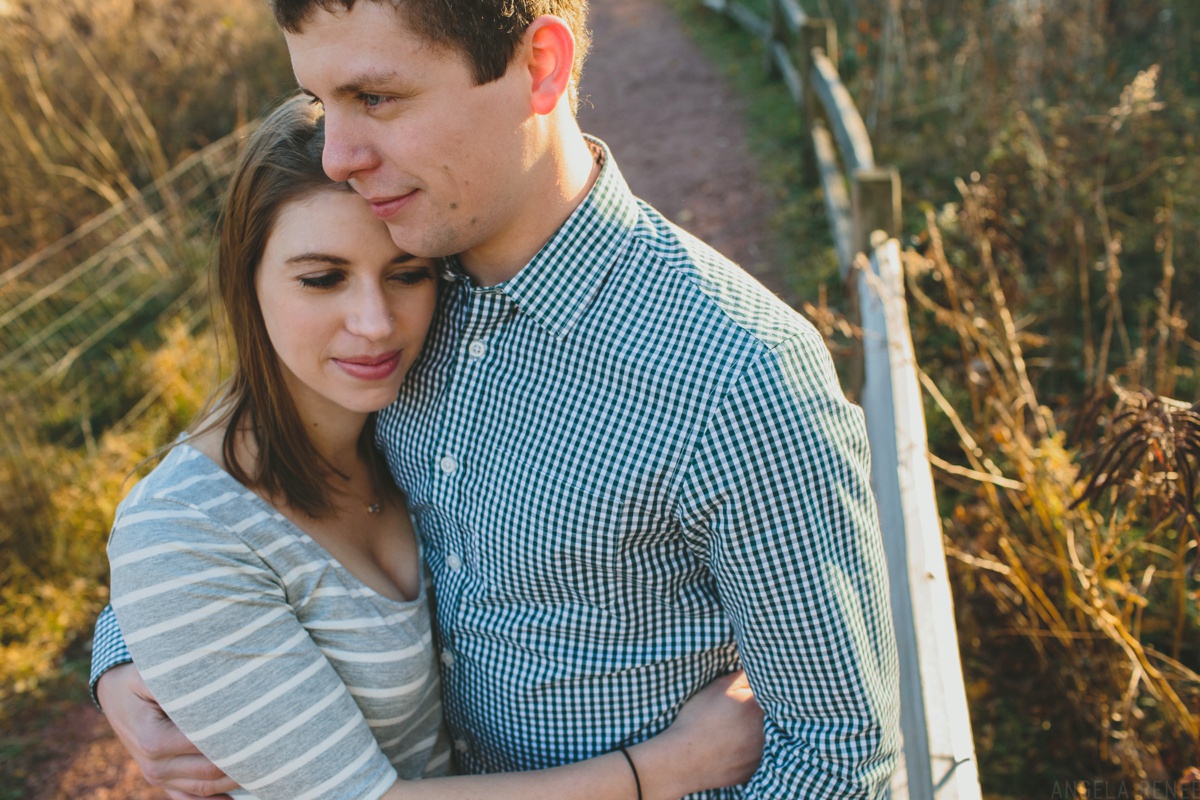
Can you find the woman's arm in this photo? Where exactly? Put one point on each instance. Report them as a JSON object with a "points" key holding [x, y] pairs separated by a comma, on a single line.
{"points": [[716, 741], [218, 642]]}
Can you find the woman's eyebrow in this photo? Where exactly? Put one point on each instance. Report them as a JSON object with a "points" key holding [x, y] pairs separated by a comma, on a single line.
{"points": [[404, 258], [318, 258]]}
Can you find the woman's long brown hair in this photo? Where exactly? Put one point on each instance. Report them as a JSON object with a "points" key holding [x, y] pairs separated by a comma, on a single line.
{"points": [[280, 164]]}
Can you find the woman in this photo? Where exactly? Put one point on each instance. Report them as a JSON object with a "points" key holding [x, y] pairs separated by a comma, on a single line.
{"points": [[266, 574]]}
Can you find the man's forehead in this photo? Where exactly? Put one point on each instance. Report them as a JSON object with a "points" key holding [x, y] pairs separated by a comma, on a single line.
{"points": [[380, 20], [362, 42]]}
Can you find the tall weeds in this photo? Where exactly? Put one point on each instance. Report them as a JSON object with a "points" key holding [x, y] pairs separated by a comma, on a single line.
{"points": [[1048, 152], [1084, 540], [101, 98], [106, 351]]}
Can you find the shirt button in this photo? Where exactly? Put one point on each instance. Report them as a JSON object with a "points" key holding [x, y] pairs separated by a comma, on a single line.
{"points": [[454, 562], [460, 745], [477, 349], [448, 464], [447, 658]]}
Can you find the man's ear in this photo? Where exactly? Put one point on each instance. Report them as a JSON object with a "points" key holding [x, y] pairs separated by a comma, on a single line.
{"points": [[549, 56]]}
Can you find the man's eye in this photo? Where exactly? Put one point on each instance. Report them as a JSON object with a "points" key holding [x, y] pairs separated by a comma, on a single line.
{"points": [[372, 100], [326, 281]]}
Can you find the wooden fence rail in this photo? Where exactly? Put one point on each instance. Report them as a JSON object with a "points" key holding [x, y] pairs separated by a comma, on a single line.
{"points": [[939, 754]]}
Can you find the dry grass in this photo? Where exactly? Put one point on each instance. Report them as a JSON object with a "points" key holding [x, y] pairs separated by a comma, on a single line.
{"points": [[103, 97], [1051, 319], [106, 353], [1085, 542]]}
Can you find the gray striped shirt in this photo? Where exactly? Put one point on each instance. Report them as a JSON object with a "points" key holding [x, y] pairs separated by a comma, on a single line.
{"points": [[290, 674]]}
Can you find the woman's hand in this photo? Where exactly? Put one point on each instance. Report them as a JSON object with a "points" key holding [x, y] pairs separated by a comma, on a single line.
{"points": [[717, 740]]}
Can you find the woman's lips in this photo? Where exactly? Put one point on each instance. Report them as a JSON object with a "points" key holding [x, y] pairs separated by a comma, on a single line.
{"points": [[370, 368]]}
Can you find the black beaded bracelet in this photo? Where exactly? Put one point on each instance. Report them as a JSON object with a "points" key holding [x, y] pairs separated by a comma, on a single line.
{"points": [[636, 779]]}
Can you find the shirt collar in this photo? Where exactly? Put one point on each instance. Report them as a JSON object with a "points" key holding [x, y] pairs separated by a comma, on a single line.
{"points": [[556, 287]]}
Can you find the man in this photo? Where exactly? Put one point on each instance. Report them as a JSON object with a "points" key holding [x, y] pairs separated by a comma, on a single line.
{"points": [[631, 465]]}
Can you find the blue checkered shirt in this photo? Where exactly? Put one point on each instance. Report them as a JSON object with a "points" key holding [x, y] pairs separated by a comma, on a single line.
{"points": [[634, 471]]}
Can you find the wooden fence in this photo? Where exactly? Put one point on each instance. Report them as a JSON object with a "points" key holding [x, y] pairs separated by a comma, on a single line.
{"points": [[939, 754]]}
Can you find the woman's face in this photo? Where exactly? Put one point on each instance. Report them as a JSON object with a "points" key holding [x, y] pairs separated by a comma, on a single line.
{"points": [[345, 309]]}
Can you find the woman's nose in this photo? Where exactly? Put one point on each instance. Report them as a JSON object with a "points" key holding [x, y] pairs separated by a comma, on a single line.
{"points": [[370, 316]]}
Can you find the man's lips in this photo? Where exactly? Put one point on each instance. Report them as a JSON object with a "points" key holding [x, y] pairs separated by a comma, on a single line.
{"points": [[384, 207], [370, 368]]}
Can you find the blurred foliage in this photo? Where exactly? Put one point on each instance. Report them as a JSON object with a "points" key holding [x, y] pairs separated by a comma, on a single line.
{"points": [[55, 574], [1080, 119], [54, 579], [100, 98]]}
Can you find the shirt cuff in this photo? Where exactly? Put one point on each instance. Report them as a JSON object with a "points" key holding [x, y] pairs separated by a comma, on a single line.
{"points": [[108, 649]]}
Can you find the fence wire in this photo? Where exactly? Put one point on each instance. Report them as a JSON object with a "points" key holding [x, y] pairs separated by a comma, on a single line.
{"points": [[78, 317]]}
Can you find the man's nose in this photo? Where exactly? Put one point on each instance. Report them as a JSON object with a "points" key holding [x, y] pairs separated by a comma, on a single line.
{"points": [[346, 152]]}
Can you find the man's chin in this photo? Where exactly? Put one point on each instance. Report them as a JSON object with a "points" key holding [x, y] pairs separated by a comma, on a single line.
{"points": [[411, 242]]}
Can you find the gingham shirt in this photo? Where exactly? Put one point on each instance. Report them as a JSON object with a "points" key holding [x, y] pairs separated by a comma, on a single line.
{"points": [[634, 470]]}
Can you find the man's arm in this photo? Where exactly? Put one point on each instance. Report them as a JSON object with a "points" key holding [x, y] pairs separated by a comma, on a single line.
{"points": [[165, 756], [778, 497], [108, 650]]}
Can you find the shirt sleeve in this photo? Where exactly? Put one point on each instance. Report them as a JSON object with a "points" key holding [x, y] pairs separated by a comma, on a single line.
{"points": [[108, 649], [212, 632], [778, 497]]}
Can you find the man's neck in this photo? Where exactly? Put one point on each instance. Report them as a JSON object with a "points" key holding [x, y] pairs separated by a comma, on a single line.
{"points": [[567, 175]]}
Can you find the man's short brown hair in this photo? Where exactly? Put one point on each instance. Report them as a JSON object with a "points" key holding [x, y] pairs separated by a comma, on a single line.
{"points": [[486, 32]]}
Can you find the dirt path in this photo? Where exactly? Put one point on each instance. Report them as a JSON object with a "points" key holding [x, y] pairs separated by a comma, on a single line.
{"points": [[677, 134], [676, 130]]}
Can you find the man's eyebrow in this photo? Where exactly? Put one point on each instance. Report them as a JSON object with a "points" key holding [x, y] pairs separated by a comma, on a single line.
{"points": [[369, 82]]}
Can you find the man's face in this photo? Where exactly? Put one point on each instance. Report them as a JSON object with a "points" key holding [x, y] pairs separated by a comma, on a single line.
{"points": [[440, 160]]}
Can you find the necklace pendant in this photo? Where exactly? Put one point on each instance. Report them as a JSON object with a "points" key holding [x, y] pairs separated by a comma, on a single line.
{"points": [[374, 508]]}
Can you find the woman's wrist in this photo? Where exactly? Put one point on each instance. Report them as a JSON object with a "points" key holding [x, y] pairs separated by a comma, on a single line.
{"points": [[637, 781], [663, 768]]}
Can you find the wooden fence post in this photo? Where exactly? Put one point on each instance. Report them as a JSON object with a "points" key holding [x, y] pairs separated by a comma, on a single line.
{"points": [[876, 203], [814, 34], [776, 28]]}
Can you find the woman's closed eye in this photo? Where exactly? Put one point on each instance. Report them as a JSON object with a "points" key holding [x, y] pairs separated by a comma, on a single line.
{"points": [[324, 280], [413, 276]]}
